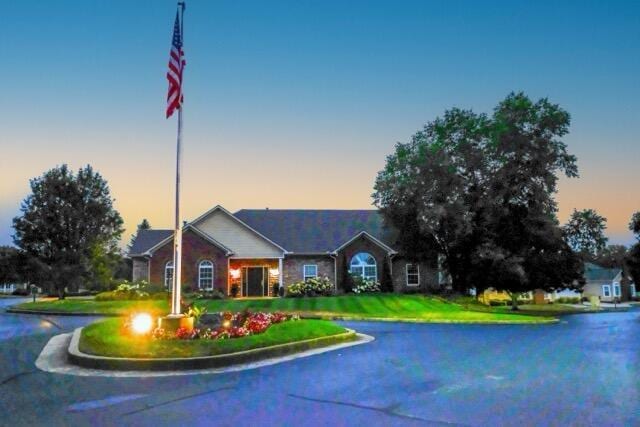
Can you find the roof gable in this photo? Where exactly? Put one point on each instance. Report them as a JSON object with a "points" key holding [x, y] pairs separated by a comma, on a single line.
{"points": [[232, 232], [146, 239], [594, 272], [315, 231]]}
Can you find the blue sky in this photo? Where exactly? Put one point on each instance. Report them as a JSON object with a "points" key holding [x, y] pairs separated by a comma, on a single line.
{"points": [[295, 104]]}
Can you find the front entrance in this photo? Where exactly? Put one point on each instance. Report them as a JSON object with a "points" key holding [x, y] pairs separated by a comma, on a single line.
{"points": [[255, 282]]}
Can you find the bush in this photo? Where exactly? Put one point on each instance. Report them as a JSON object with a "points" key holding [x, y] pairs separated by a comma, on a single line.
{"points": [[126, 291], [361, 286], [212, 294], [21, 292], [319, 286]]}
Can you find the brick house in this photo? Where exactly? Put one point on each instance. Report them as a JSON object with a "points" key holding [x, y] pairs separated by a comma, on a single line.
{"points": [[259, 250]]}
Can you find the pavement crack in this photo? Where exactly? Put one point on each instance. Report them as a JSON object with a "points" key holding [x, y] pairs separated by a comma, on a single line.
{"points": [[148, 406], [15, 376], [390, 410]]}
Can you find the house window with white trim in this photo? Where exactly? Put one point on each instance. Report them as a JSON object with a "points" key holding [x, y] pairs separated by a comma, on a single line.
{"points": [[617, 291], [205, 275], [168, 275], [364, 265], [632, 290], [606, 291], [309, 271], [413, 275]]}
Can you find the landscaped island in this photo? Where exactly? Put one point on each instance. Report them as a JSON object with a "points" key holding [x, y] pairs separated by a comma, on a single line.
{"points": [[106, 338], [359, 307]]}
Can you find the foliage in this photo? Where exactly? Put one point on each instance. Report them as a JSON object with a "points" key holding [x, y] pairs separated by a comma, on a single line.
{"points": [[568, 300], [347, 280], [319, 286], [196, 312], [235, 290], [585, 233], [238, 325], [212, 294], [633, 257], [136, 291], [361, 286], [9, 265], [68, 228], [386, 284], [479, 191], [144, 225]]}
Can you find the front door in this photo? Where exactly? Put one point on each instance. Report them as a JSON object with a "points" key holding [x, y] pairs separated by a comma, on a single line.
{"points": [[255, 279]]}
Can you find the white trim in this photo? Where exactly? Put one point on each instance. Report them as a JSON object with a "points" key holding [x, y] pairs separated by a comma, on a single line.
{"points": [[378, 242], [364, 266], [618, 288], [304, 272], [164, 276], [220, 208], [406, 277], [608, 287], [195, 230], [213, 275], [280, 274], [632, 290]]}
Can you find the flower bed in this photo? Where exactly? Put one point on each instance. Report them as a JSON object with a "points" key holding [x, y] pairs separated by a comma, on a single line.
{"points": [[234, 325]]}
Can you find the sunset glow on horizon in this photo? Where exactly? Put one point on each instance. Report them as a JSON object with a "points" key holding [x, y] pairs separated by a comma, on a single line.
{"points": [[293, 105]]}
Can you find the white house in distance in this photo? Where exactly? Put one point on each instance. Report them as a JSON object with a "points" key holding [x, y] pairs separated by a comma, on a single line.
{"points": [[607, 283]]}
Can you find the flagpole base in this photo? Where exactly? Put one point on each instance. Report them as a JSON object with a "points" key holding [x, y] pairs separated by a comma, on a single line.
{"points": [[173, 322]]}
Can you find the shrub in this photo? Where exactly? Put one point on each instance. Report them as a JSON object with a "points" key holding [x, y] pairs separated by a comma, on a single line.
{"points": [[361, 286], [21, 292], [135, 291], [212, 294], [235, 290], [319, 286]]}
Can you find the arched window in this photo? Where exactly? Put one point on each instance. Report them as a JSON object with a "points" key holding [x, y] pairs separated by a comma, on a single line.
{"points": [[205, 275], [364, 265], [168, 275]]}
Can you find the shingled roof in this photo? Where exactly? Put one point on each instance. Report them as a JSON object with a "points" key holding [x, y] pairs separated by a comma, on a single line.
{"points": [[146, 239], [314, 231], [593, 272]]}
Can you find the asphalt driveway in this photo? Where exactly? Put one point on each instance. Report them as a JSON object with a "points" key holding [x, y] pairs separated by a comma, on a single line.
{"points": [[583, 371]]}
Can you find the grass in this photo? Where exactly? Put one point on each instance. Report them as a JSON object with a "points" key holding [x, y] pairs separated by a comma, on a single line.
{"points": [[106, 338], [376, 306]]}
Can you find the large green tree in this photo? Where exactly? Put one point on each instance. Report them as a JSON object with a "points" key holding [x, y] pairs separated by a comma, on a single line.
{"points": [[585, 233], [69, 228], [479, 191], [633, 256], [9, 270]]}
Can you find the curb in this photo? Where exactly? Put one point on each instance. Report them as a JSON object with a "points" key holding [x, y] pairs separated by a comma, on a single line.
{"points": [[76, 357], [59, 313]]}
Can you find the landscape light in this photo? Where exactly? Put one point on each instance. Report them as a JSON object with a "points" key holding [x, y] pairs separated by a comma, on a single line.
{"points": [[141, 323]]}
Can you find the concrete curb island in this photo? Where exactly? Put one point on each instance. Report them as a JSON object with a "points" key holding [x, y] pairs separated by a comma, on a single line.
{"points": [[90, 361]]}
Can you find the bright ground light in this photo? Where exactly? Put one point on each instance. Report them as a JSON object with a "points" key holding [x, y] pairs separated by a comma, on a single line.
{"points": [[141, 323]]}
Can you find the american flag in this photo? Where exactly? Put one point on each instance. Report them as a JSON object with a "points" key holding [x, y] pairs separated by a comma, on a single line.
{"points": [[176, 66]]}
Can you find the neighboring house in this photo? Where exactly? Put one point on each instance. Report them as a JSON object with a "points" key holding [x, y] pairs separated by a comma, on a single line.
{"points": [[258, 250], [607, 283], [8, 288]]}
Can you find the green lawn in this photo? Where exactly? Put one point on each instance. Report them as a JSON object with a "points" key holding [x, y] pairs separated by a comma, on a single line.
{"points": [[105, 338], [379, 306]]}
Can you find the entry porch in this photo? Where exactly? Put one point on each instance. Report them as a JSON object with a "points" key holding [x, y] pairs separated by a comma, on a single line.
{"points": [[251, 277]]}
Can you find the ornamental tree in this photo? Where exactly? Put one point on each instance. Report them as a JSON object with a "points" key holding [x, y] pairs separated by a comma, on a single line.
{"points": [[69, 228]]}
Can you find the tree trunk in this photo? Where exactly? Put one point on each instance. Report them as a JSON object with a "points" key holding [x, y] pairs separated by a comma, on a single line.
{"points": [[514, 301], [60, 293]]}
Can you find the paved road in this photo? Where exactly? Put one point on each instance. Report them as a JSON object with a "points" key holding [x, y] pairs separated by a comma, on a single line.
{"points": [[583, 371]]}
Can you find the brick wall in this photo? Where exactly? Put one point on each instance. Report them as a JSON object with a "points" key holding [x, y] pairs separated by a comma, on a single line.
{"points": [[428, 276], [140, 269], [194, 250], [294, 264]]}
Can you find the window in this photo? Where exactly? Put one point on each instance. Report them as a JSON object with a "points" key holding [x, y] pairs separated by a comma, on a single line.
{"points": [[364, 265], [632, 290], [413, 275], [617, 292], [310, 271], [606, 290], [205, 275], [168, 275]]}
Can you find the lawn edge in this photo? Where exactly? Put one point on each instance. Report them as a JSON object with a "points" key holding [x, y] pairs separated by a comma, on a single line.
{"points": [[91, 361], [311, 315]]}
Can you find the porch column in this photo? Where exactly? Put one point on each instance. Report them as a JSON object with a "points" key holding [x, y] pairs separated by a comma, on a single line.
{"points": [[280, 273]]}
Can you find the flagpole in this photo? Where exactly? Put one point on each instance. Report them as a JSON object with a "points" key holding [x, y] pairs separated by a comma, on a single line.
{"points": [[177, 232]]}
